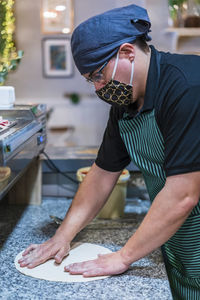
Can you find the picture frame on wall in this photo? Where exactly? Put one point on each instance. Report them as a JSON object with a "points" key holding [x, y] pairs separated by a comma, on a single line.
{"points": [[57, 58], [57, 16]]}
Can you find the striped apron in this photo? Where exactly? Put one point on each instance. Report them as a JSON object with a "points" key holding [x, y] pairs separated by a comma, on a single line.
{"points": [[181, 253]]}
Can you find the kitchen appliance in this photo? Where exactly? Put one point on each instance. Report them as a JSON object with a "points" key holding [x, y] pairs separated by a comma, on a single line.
{"points": [[22, 140], [7, 96]]}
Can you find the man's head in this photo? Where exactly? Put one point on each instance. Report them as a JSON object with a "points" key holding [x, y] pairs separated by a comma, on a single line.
{"points": [[98, 39]]}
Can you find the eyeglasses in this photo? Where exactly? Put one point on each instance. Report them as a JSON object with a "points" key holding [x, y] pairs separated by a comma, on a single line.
{"points": [[98, 76]]}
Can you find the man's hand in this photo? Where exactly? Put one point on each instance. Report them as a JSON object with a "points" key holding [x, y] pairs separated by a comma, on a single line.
{"points": [[35, 255], [108, 264], [88, 201]]}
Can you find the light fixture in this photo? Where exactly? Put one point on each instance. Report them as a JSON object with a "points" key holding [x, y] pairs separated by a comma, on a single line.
{"points": [[50, 14], [65, 30], [60, 7]]}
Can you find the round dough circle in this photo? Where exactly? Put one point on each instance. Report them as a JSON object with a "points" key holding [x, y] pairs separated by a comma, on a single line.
{"points": [[55, 272]]}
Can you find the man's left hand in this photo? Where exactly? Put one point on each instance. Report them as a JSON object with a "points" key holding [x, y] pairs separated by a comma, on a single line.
{"points": [[107, 264]]}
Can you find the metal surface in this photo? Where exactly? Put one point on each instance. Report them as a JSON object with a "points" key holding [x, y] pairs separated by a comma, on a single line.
{"points": [[23, 140]]}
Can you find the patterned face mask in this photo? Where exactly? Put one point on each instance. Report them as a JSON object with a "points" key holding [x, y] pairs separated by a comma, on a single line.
{"points": [[116, 92]]}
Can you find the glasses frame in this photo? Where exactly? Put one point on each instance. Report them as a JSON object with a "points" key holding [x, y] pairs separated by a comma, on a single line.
{"points": [[99, 74]]}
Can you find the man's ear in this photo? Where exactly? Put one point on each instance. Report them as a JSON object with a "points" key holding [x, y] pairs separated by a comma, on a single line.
{"points": [[127, 50]]}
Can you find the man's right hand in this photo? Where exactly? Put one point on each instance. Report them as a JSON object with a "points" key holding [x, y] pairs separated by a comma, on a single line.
{"points": [[35, 254], [89, 199]]}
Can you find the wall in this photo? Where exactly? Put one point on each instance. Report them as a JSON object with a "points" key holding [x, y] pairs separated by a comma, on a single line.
{"points": [[31, 86], [29, 81]]}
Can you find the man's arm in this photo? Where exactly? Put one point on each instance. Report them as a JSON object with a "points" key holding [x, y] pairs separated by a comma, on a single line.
{"points": [[89, 199], [168, 212]]}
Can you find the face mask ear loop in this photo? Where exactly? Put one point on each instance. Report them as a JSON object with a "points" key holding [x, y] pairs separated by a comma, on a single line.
{"points": [[115, 67], [132, 72]]}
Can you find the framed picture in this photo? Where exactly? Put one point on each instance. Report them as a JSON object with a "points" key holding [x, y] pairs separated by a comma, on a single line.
{"points": [[57, 16], [57, 58]]}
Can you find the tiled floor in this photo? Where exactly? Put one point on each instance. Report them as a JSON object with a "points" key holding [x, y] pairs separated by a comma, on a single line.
{"points": [[20, 226]]}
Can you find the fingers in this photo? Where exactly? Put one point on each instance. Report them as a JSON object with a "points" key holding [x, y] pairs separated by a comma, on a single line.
{"points": [[60, 255], [93, 273], [80, 268], [35, 255], [38, 258], [108, 264], [99, 255], [29, 249], [87, 269], [34, 258], [26, 253], [77, 268]]}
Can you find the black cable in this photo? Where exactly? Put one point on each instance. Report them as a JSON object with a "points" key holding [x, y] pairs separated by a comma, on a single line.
{"points": [[53, 167]]}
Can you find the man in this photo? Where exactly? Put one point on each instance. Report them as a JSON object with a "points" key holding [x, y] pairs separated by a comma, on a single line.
{"points": [[153, 121]]}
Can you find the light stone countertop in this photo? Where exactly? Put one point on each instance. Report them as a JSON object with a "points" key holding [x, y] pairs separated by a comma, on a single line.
{"points": [[20, 226]]}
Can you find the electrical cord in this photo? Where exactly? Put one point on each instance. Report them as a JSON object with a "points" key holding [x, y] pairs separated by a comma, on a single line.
{"points": [[53, 167]]}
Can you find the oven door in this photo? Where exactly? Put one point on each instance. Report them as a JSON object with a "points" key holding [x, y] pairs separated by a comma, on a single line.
{"points": [[21, 160]]}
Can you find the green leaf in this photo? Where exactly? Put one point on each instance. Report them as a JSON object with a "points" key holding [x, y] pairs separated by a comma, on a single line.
{"points": [[13, 62], [13, 67], [75, 98], [5, 73]]}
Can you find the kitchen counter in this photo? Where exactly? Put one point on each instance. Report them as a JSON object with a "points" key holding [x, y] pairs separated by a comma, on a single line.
{"points": [[20, 226]]}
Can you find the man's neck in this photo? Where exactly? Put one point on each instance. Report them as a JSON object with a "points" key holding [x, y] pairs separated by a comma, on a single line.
{"points": [[143, 68]]}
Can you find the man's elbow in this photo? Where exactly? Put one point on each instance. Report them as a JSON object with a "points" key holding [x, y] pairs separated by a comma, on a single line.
{"points": [[187, 204], [184, 189]]}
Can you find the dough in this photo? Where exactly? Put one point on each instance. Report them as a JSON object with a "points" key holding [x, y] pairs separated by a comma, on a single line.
{"points": [[54, 272]]}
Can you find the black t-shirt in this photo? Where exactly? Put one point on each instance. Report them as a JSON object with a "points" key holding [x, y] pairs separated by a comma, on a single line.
{"points": [[173, 91]]}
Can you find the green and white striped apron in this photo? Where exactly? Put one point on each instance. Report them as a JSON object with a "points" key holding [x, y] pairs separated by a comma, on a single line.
{"points": [[145, 145]]}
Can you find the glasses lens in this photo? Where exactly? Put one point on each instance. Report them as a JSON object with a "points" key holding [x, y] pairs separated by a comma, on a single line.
{"points": [[98, 76]]}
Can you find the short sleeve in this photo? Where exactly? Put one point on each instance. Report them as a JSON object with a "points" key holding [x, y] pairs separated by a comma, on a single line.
{"points": [[112, 155], [180, 126]]}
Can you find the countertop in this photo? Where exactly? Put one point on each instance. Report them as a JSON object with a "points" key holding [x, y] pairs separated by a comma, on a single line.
{"points": [[20, 226]]}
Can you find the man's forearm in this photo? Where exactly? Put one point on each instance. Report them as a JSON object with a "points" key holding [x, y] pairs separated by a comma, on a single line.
{"points": [[89, 199], [166, 215]]}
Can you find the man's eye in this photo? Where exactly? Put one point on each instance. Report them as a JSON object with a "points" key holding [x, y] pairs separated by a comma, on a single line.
{"points": [[97, 76]]}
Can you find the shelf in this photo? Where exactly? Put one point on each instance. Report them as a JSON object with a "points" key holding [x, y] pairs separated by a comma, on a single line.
{"points": [[184, 31], [191, 52], [183, 35]]}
